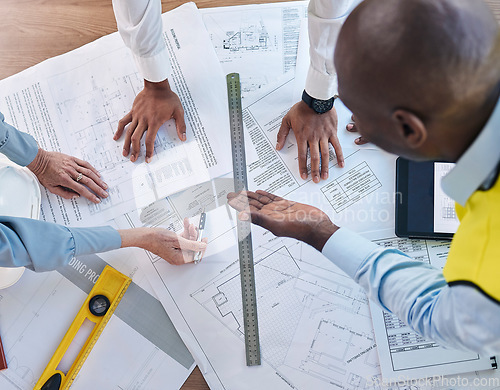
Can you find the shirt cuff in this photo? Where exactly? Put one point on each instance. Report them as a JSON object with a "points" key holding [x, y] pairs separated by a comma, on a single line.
{"points": [[95, 239], [155, 68], [348, 250], [321, 86], [20, 148]]}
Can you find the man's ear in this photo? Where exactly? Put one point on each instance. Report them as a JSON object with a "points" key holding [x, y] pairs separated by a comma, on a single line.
{"points": [[411, 128]]}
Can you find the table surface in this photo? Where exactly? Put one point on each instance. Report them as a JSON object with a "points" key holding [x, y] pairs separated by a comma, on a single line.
{"points": [[34, 30]]}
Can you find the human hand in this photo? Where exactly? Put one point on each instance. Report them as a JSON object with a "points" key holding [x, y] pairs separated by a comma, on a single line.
{"points": [[175, 248], [152, 107], [68, 176], [313, 131], [353, 129], [284, 218]]}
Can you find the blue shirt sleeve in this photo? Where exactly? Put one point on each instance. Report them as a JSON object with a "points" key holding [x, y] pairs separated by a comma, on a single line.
{"points": [[19, 147], [44, 246], [457, 317]]}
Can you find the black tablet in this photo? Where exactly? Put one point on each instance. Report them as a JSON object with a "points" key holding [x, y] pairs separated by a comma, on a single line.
{"points": [[422, 209]]}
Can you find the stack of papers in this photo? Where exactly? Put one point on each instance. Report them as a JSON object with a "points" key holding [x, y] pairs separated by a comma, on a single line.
{"points": [[315, 323]]}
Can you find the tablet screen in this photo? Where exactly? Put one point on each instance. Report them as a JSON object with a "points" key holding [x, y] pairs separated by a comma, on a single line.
{"points": [[423, 209], [445, 218]]}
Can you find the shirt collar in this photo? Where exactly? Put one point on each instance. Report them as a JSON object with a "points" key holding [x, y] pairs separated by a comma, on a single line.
{"points": [[477, 163]]}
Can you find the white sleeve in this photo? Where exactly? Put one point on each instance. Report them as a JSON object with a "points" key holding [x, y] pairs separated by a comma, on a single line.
{"points": [[325, 18], [140, 26]]}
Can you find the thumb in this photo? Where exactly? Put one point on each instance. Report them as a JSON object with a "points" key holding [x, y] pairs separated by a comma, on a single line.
{"points": [[180, 124], [282, 134], [191, 245]]}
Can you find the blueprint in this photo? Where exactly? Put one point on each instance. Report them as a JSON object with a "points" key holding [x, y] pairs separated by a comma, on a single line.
{"points": [[314, 322], [315, 325], [72, 104], [402, 351], [130, 354], [258, 41]]}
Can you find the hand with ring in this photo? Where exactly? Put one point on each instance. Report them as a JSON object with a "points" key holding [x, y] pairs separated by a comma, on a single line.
{"points": [[68, 177]]}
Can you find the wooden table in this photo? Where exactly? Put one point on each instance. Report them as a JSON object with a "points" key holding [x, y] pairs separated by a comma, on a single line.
{"points": [[34, 30]]}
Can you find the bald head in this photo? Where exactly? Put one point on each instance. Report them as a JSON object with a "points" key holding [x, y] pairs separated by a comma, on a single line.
{"points": [[438, 59]]}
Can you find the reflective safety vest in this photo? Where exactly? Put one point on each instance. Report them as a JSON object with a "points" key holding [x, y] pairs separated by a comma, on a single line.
{"points": [[474, 257]]}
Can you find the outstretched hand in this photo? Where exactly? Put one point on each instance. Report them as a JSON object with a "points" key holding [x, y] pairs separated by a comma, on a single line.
{"points": [[314, 132], [152, 107], [175, 248], [68, 176], [284, 218]]}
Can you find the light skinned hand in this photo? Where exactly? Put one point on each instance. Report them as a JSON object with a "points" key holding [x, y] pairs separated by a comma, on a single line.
{"points": [[314, 132], [284, 218], [58, 172], [152, 107], [175, 248], [353, 129]]}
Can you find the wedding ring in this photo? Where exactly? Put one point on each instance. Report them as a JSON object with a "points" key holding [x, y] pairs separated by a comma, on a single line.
{"points": [[80, 176]]}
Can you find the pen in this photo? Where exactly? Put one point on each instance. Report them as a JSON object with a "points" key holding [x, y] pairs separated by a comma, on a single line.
{"points": [[201, 228]]}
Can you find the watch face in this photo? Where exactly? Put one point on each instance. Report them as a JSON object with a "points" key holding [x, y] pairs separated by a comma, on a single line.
{"points": [[322, 106]]}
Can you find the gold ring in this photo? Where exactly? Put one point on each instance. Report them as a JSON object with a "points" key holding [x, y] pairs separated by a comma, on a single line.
{"points": [[80, 176]]}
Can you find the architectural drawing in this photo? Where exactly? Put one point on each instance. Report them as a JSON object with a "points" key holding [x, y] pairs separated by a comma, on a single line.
{"points": [[251, 36], [314, 322], [39, 309], [403, 352], [89, 112], [350, 187], [259, 42]]}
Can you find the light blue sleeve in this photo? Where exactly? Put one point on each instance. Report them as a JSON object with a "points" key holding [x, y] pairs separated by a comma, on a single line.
{"points": [[44, 246], [455, 317], [19, 147]]}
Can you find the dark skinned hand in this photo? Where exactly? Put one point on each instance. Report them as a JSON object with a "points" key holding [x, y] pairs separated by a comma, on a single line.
{"points": [[284, 218], [314, 132], [353, 129], [152, 107]]}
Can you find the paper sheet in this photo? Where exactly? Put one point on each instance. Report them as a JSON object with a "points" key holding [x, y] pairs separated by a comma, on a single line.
{"points": [[314, 322], [403, 353], [72, 104], [307, 307], [138, 349], [258, 41]]}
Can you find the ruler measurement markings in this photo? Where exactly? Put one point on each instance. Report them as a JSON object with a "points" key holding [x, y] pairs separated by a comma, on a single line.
{"points": [[247, 275]]}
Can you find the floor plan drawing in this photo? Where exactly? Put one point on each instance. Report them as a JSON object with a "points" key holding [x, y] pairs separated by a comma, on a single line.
{"points": [[258, 42], [306, 317], [89, 112], [251, 36]]}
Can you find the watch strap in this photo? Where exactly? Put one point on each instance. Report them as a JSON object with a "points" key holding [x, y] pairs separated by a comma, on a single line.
{"points": [[319, 106]]}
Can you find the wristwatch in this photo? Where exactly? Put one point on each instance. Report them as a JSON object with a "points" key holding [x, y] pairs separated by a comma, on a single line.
{"points": [[319, 106]]}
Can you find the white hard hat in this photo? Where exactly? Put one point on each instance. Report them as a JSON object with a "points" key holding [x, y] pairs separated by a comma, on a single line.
{"points": [[19, 197]]}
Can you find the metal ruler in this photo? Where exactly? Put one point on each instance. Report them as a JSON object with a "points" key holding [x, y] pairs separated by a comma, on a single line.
{"points": [[247, 276], [98, 309]]}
